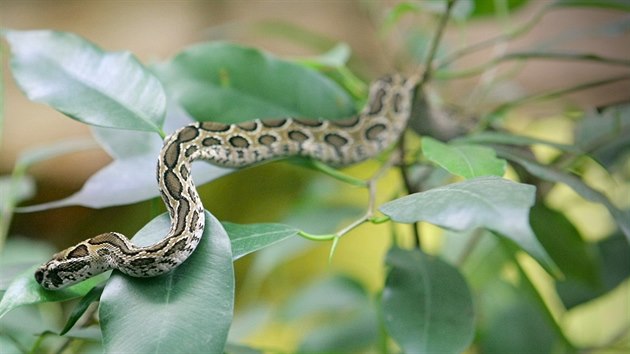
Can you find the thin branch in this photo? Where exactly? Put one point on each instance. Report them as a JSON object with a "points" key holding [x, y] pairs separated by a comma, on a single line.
{"points": [[435, 42], [517, 56], [499, 111], [369, 213], [458, 54]]}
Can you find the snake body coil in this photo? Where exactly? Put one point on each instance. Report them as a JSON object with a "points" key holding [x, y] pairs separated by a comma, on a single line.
{"points": [[337, 143]]}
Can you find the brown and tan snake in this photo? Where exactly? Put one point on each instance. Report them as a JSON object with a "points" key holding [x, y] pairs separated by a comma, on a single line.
{"points": [[334, 142]]}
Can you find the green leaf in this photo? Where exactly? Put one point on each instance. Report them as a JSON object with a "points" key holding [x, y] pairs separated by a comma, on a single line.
{"points": [[230, 83], [252, 237], [606, 135], [614, 269], [349, 296], [93, 295], [508, 314], [24, 290], [346, 320], [551, 174], [353, 333], [186, 310], [495, 203], [575, 257], [82, 81], [135, 154], [426, 303], [468, 161]]}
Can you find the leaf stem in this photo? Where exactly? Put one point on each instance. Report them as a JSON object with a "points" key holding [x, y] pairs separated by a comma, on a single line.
{"points": [[368, 216]]}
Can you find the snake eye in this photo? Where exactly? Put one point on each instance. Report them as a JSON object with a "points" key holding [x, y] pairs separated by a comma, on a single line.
{"points": [[39, 276]]}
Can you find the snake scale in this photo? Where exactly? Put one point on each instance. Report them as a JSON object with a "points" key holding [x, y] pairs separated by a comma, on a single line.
{"points": [[334, 142]]}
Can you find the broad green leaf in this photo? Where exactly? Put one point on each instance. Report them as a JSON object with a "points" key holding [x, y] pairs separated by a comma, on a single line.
{"points": [[252, 237], [24, 290], [352, 333], [468, 161], [86, 83], [230, 83], [186, 310], [349, 295], [495, 203], [551, 174], [508, 315], [564, 244], [345, 317], [124, 182], [614, 269], [130, 178], [426, 304]]}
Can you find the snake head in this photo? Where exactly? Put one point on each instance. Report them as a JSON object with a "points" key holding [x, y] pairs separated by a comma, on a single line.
{"points": [[68, 267]]}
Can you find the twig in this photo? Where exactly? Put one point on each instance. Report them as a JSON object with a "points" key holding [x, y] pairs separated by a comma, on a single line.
{"points": [[494, 40], [426, 76], [369, 213]]}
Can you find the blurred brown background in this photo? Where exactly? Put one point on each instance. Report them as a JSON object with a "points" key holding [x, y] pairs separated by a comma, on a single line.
{"points": [[156, 30]]}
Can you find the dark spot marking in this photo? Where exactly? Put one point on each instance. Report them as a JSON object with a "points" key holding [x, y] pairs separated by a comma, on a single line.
{"points": [[103, 252], [214, 126], [187, 133], [171, 155], [347, 122], [173, 184], [267, 139], [335, 140], [191, 150], [387, 79], [182, 211], [76, 266], [273, 123], [78, 252], [376, 102], [210, 141], [184, 171], [193, 220], [54, 277], [248, 126], [177, 247], [373, 132], [140, 262], [239, 142], [309, 122], [111, 239], [298, 136]]}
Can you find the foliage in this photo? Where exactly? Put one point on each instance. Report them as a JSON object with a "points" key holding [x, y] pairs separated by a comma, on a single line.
{"points": [[481, 289]]}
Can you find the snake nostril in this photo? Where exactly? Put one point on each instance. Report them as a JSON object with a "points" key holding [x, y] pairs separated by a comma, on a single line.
{"points": [[39, 276]]}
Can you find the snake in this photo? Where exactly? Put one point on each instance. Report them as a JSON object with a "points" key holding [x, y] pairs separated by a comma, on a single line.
{"points": [[337, 143]]}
